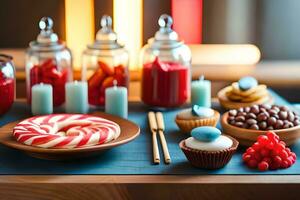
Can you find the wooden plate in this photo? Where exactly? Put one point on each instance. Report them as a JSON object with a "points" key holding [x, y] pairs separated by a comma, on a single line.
{"points": [[228, 104], [247, 137], [129, 131]]}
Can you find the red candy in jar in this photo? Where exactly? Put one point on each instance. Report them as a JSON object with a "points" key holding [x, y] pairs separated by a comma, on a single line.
{"points": [[103, 62], [7, 83], [48, 61], [166, 68], [165, 84], [47, 72], [103, 78]]}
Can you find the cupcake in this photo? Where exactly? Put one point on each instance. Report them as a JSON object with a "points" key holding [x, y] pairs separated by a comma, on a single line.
{"points": [[208, 148], [245, 92], [196, 116]]}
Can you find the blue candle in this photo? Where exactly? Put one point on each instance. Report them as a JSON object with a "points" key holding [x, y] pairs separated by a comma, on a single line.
{"points": [[201, 92], [116, 102], [41, 99], [77, 97]]}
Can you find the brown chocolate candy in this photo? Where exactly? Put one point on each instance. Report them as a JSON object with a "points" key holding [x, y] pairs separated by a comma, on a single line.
{"points": [[251, 116], [291, 116], [254, 127], [262, 125], [254, 109], [283, 115], [240, 119], [263, 117], [271, 121], [279, 124], [251, 121]]}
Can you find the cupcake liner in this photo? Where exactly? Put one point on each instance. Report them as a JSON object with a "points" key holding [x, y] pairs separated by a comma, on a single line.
{"points": [[186, 125], [209, 159]]}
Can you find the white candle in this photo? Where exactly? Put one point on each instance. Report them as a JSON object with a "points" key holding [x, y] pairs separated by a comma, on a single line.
{"points": [[116, 102], [41, 99], [77, 97]]}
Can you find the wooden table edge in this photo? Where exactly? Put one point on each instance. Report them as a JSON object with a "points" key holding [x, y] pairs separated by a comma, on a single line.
{"points": [[150, 179]]}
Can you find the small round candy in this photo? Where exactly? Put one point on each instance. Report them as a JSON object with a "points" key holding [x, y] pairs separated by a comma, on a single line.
{"points": [[283, 115], [247, 83], [252, 163], [267, 159], [283, 154], [205, 133], [271, 121], [277, 159], [262, 139], [254, 127], [246, 157], [233, 112], [264, 152], [263, 166]]}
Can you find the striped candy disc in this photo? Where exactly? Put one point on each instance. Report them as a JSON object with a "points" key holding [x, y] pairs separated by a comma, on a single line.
{"points": [[65, 131]]}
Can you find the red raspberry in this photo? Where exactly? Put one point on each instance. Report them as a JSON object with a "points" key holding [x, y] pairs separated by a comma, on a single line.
{"points": [[290, 161], [263, 166], [277, 159], [269, 153], [246, 157], [264, 152], [279, 147], [271, 135], [250, 151], [270, 145], [274, 166], [252, 163], [285, 164], [256, 146], [293, 155], [262, 139], [288, 150], [283, 154], [257, 156], [267, 159]]}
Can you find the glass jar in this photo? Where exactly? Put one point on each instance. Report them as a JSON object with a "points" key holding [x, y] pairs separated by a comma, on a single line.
{"points": [[49, 61], [7, 83], [104, 62], [166, 63]]}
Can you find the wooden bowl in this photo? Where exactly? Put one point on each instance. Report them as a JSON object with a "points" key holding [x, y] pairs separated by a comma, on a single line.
{"points": [[247, 137], [228, 104], [129, 131]]}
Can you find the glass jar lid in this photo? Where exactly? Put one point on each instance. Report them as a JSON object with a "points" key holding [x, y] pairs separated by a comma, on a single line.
{"points": [[47, 40], [165, 37], [106, 38]]}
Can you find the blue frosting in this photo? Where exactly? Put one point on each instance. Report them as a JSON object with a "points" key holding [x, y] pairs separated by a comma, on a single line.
{"points": [[247, 83], [205, 133], [202, 111]]}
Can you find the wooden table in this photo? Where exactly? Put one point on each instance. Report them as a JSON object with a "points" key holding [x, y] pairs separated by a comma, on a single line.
{"points": [[149, 187]]}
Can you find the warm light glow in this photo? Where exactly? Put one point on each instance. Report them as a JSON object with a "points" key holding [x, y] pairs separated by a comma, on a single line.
{"points": [[128, 16], [225, 54], [79, 27], [187, 16]]}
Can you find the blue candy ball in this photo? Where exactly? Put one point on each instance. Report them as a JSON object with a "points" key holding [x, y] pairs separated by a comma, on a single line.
{"points": [[247, 83], [205, 133]]}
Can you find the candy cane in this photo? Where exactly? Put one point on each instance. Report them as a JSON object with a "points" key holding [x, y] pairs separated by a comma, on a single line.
{"points": [[65, 131]]}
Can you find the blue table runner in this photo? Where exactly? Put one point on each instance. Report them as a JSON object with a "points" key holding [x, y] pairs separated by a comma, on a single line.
{"points": [[132, 158]]}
